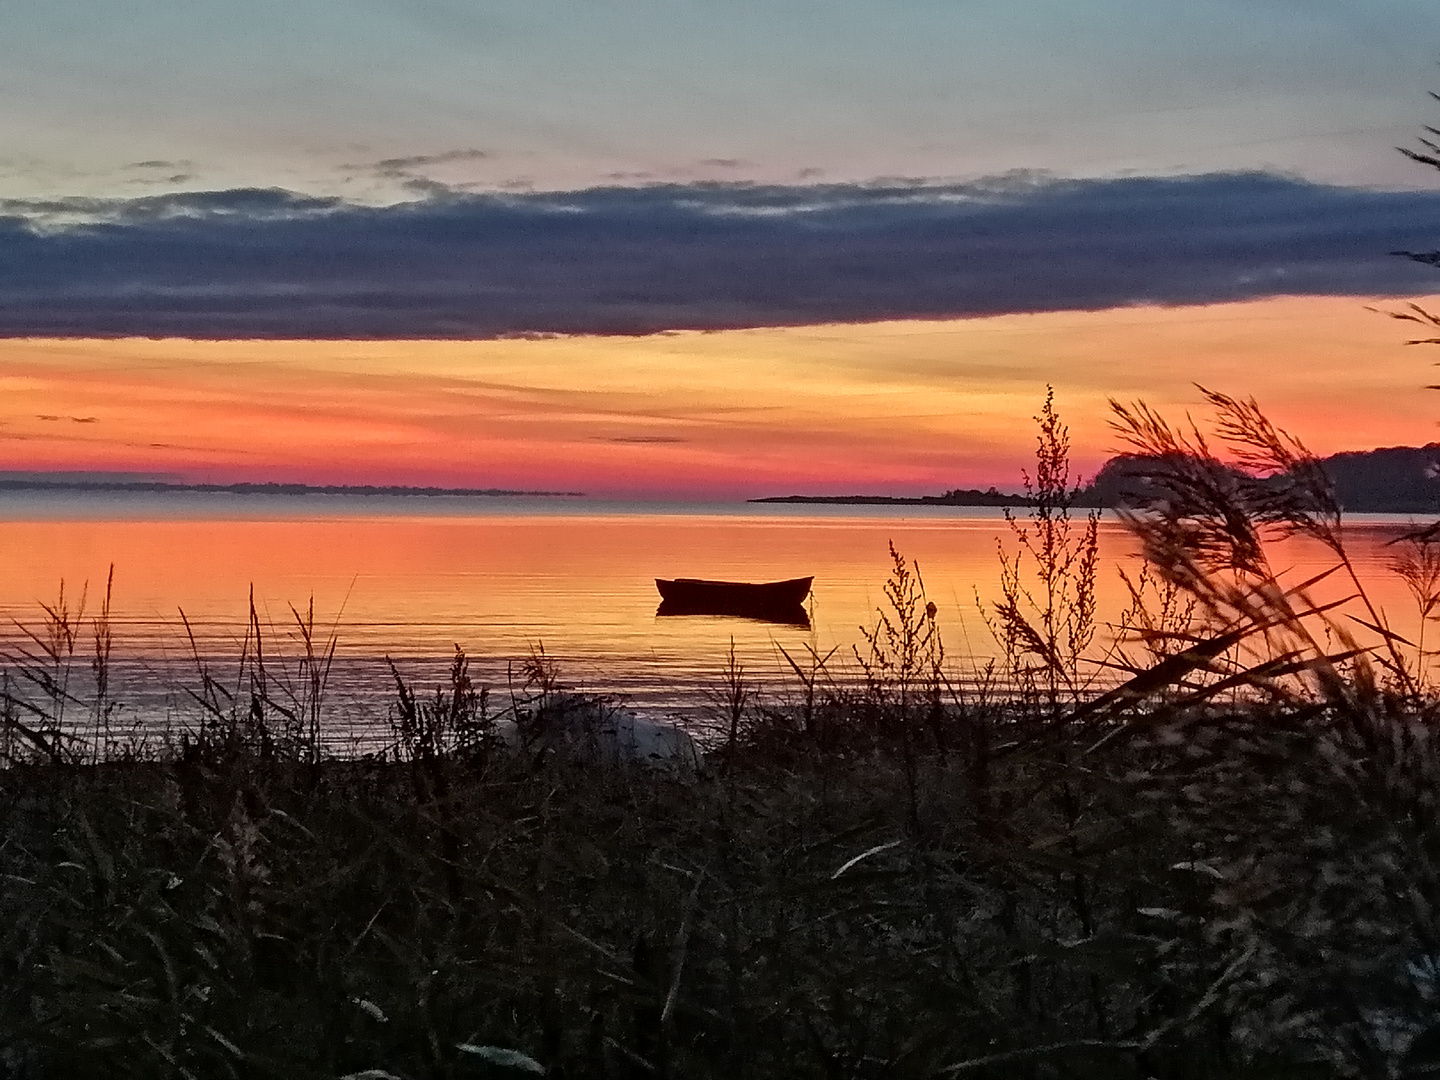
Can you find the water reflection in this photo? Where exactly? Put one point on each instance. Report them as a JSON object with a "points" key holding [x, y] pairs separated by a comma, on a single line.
{"points": [[780, 615], [412, 588]]}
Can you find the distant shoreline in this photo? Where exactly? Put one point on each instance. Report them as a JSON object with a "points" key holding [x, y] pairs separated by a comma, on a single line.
{"points": [[954, 498], [143, 487]]}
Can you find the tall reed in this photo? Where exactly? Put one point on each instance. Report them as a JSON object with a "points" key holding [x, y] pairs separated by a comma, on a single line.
{"points": [[1045, 621]]}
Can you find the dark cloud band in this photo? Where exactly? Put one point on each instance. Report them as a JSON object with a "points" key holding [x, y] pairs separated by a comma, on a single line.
{"points": [[270, 264]]}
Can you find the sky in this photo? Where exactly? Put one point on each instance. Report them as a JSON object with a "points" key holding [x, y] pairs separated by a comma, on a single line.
{"points": [[699, 248]]}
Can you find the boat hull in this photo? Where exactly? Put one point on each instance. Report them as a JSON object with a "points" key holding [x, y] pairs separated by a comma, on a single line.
{"points": [[774, 601]]}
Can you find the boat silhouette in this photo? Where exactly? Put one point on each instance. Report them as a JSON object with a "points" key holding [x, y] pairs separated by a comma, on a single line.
{"points": [[771, 601]]}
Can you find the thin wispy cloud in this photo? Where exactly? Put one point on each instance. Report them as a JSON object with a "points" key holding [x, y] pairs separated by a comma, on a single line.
{"points": [[158, 171], [629, 260], [160, 165], [641, 440], [413, 173]]}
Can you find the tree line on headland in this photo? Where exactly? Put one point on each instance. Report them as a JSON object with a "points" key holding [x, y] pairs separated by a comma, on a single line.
{"points": [[1387, 480]]}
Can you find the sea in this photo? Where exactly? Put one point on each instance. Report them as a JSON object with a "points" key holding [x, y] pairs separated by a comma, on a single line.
{"points": [[399, 583]]}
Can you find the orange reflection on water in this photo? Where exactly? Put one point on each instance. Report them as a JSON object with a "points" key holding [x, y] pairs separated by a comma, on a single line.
{"points": [[412, 587], [583, 584]]}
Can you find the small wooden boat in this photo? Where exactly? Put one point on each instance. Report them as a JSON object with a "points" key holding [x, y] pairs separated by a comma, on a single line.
{"points": [[774, 601], [735, 593]]}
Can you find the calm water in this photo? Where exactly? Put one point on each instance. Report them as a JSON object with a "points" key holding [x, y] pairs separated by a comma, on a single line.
{"points": [[410, 578]]}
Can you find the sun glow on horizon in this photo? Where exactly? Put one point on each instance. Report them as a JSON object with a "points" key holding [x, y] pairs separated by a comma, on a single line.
{"points": [[889, 408]]}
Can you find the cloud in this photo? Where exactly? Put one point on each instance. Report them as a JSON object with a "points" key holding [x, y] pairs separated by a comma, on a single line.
{"points": [[403, 166], [410, 172], [158, 171], [253, 263], [75, 216]]}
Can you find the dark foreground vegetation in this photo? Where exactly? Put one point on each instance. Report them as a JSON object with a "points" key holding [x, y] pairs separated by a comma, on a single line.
{"points": [[1204, 843]]}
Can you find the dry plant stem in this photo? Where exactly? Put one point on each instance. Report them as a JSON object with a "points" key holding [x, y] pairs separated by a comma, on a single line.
{"points": [[1159, 616], [100, 668], [1045, 629], [733, 700], [40, 684], [1305, 504], [1202, 524], [50, 669], [315, 674], [809, 677], [903, 667], [1418, 566], [63, 628]]}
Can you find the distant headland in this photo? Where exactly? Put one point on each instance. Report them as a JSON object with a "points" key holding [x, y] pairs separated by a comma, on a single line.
{"points": [[1388, 480]]}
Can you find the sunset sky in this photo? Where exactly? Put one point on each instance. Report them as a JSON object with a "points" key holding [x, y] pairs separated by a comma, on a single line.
{"points": [[699, 248]]}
